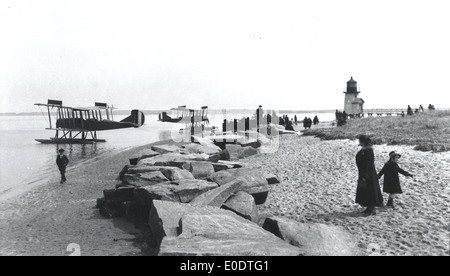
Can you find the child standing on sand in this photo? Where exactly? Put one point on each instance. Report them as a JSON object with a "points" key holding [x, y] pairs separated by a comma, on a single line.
{"points": [[391, 180]]}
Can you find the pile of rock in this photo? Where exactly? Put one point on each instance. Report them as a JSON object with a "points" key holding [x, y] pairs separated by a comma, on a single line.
{"points": [[198, 200]]}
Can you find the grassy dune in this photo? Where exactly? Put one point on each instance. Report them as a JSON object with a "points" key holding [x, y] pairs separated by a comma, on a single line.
{"points": [[429, 131]]}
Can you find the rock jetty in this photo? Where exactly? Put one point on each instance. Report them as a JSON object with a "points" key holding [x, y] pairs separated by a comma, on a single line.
{"points": [[197, 199]]}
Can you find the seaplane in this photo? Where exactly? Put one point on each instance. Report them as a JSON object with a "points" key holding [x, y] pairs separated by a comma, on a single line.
{"points": [[79, 125], [184, 115]]}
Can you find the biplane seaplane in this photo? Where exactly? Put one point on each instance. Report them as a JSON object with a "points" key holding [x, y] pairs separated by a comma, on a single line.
{"points": [[79, 125], [184, 115]]}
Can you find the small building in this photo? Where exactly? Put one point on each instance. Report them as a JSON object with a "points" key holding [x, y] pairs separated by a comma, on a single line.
{"points": [[353, 104]]}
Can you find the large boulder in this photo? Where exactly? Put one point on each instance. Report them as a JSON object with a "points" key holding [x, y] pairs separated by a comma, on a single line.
{"points": [[254, 179], [225, 155], [259, 193], [110, 208], [120, 194], [188, 189], [314, 238], [222, 155], [145, 178], [253, 144], [201, 170], [223, 235], [111, 204], [123, 172], [135, 212], [145, 153], [165, 216], [184, 190], [218, 196], [272, 179], [165, 148], [171, 173], [233, 151], [242, 204], [235, 165], [175, 174], [226, 165], [220, 167], [205, 148], [174, 159], [245, 152]]}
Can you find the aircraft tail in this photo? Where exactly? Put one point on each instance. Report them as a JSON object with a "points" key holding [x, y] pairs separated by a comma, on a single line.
{"points": [[137, 117]]}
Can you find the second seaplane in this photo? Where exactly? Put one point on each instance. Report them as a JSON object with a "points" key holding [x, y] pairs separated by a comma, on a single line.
{"points": [[79, 125]]}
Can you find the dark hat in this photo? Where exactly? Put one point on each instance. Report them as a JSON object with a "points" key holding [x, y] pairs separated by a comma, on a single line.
{"points": [[393, 153], [61, 150]]}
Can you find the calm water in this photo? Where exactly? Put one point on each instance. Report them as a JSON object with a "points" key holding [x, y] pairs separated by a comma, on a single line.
{"points": [[25, 163]]}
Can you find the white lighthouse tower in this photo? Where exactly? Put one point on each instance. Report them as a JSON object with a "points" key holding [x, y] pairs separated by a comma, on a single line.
{"points": [[353, 104]]}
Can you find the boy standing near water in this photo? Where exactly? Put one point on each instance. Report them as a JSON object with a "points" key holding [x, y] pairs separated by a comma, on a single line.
{"points": [[391, 180], [62, 161]]}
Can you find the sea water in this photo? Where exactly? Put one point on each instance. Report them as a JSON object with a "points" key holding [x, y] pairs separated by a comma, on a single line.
{"points": [[26, 163]]}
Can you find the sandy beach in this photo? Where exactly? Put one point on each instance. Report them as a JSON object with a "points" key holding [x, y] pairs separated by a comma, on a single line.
{"points": [[318, 185]]}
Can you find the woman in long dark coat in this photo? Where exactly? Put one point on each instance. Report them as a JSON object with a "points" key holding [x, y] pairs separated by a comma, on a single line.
{"points": [[368, 192], [391, 184]]}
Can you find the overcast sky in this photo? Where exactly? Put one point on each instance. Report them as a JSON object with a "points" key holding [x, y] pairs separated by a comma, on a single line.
{"points": [[224, 54]]}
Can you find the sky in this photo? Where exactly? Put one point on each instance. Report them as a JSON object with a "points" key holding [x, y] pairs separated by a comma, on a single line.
{"points": [[224, 54]]}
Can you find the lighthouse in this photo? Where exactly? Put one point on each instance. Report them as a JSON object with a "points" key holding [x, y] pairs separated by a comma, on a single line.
{"points": [[353, 104]]}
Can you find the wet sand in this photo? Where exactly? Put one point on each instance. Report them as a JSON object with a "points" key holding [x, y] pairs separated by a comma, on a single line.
{"points": [[45, 220], [318, 185]]}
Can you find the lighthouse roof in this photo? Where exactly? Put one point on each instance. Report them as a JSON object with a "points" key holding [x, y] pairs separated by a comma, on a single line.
{"points": [[351, 80], [358, 101]]}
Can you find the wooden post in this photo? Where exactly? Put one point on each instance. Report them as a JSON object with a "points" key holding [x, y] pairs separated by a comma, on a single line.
{"points": [[73, 119], [49, 117], [192, 126], [247, 127]]}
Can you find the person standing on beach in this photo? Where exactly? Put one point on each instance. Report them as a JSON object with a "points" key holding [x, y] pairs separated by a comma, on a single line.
{"points": [[316, 120], [259, 117], [368, 192], [62, 161], [391, 180], [409, 110]]}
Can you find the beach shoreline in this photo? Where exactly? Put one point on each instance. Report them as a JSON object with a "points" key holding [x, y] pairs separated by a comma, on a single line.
{"points": [[46, 218], [317, 185]]}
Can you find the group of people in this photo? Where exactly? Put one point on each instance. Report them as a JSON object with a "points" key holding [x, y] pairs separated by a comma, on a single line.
{"points": [[368, 192], [409, 110], [288, 123], [341, 117], [307, 122]]}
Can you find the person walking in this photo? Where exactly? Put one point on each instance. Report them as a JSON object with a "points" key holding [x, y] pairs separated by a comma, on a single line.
{"points": [[316, 120], [391, 182], [62, 161], [368, 192]]}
